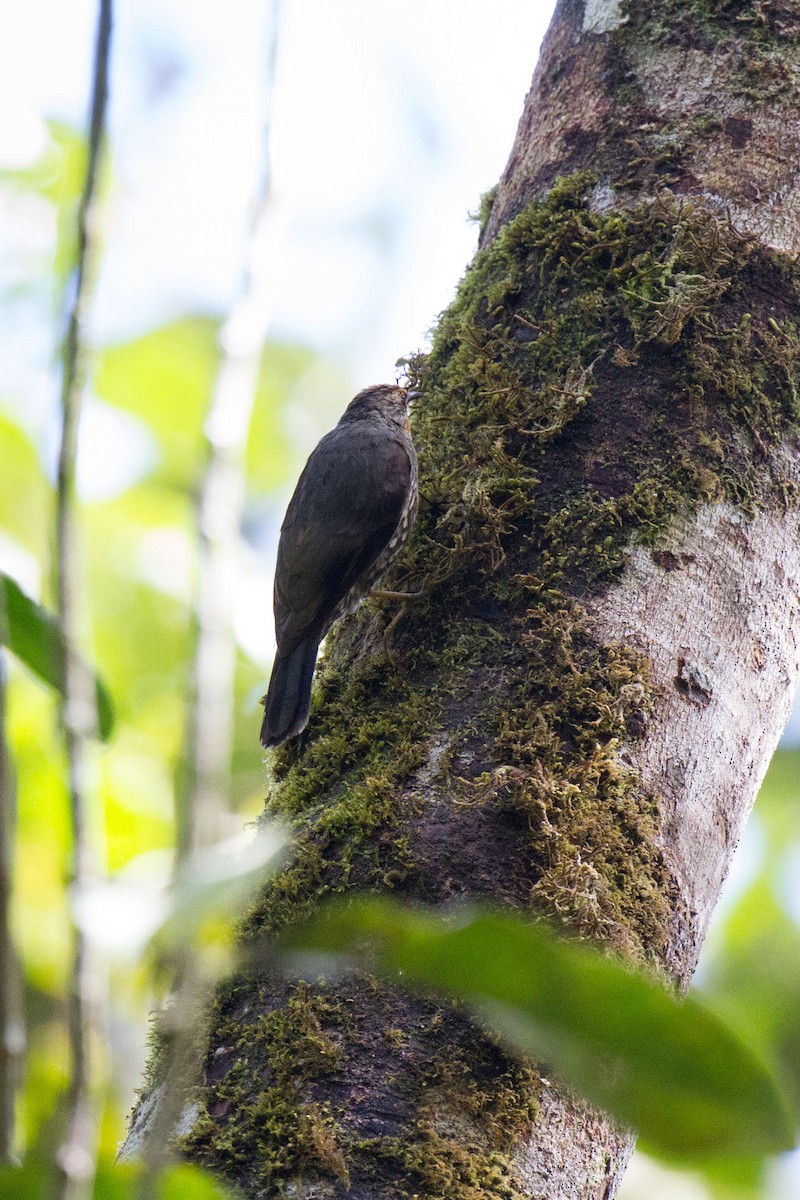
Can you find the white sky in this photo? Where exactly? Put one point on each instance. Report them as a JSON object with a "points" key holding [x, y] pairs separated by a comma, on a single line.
{"points": [[390, 120]]}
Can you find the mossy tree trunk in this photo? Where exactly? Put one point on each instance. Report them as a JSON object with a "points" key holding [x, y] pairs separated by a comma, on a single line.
{"points": [[578, 716]]}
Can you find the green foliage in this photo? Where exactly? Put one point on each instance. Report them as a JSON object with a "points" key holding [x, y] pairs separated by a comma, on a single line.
{"points": [[26, 503], [670, 1069], [165, 379], [57, 177], [34, 636], [750, 968], [36, 1181]]}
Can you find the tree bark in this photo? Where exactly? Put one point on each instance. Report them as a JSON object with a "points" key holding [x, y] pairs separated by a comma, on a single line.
{"points": [[577, 717]]}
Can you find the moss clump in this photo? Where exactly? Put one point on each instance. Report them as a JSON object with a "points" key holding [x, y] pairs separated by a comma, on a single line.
{"points": [[455, 1083], [596, 862], [438, 1167], [596, 379], [485, 210], [701, 23], [340, 785], [272, 1131], [265, 1119], [630, 332], [465, 1122]]}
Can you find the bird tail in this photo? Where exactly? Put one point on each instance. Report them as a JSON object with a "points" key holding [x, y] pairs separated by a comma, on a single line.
{"points": [[288, 699]]}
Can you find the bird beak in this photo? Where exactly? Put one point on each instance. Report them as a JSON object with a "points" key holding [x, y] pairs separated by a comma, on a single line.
{"points": [[413, 394]]}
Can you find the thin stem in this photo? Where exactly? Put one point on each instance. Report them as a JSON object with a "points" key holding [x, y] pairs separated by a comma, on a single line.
{"points": [[78, 712]]}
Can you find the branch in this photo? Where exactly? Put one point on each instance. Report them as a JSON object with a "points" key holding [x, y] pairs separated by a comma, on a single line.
{"points": [[79, 711]]}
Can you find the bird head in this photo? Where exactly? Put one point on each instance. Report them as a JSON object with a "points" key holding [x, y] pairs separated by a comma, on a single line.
{"points": [[390, 401]]}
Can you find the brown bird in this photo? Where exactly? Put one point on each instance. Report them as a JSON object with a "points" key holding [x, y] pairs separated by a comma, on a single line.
{"points": [[351, 512]]}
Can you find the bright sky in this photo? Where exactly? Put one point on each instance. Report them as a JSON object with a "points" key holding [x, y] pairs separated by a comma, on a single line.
{"points": [[390, 120]]}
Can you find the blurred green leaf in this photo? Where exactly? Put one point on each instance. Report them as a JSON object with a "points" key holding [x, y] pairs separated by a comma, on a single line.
{"points": [[31, 1182], [57, 176], [214, 884], [670, 1069], [190, 1183], [750, 967], [34, 636], [124, 916], [114, 1181], [166, 378], [25, 494], [270, 461]]}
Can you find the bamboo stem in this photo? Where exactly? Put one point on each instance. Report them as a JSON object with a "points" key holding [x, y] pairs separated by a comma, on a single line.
{"points": [[76, 1157]]}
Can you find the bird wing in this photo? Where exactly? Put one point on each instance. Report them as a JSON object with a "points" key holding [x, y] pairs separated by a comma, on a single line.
{"points": [[347, 504]]}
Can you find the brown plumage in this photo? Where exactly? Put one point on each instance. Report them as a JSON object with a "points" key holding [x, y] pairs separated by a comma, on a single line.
{"points": [[351, 512]]}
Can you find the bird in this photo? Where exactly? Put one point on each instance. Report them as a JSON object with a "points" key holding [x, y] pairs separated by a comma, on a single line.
{"points": [[350, 515]]}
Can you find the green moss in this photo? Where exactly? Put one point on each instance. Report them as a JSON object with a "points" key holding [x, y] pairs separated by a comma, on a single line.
{"points": [[264, 1122], [438, 1167], [340, 788], [551, 316], [597, 378], [465, 1122], [503, 1111], [273, 1131], [485, 210], [756, 39], [702, 22]]}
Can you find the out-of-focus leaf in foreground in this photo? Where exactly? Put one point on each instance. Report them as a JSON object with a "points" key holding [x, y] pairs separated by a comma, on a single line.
{"points": [[36, 1181], [215, 884], [194, 910], [34, 636], [672, 1070]]}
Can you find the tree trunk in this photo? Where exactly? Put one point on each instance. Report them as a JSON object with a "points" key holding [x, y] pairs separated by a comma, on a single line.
{"points": [[577, 717]]}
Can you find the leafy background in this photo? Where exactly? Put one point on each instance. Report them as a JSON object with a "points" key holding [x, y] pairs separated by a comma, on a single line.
{"points": [[367, 236]]}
